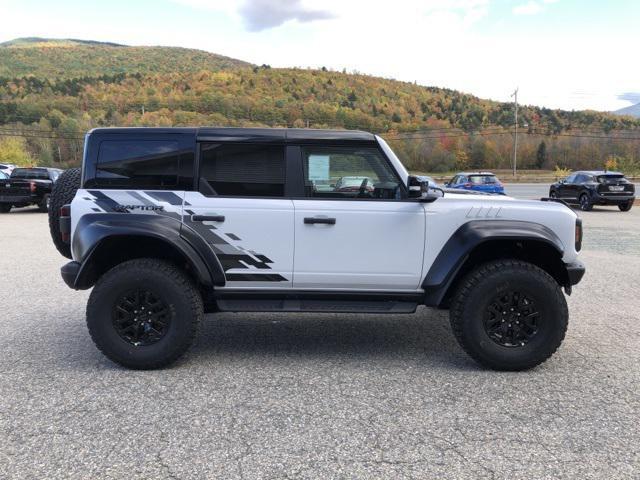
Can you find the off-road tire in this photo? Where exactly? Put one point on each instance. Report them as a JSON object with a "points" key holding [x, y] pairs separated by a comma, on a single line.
{"points": [[474, 296], [585, 203], [62, 193], [42, 206], [167, 282], [5, 208], [625, 207]]}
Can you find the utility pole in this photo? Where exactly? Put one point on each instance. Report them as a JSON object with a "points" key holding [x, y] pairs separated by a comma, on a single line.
{"points": [[515, 141]]}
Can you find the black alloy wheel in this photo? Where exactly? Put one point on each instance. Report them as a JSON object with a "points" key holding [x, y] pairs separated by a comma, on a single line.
{"points": [[141, 318], [511, 319], [585, 203]]}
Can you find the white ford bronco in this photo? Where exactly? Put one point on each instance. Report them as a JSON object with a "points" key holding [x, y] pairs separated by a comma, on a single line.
{"points": [[167, 224]]}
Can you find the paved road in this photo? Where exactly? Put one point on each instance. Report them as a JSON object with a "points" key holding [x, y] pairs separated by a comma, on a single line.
{"points": [[532, 190], [318, 396]]}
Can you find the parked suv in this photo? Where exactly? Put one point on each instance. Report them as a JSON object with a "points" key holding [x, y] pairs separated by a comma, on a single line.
{"points": [[595, 188], [169, 224], [27, 186], [485, 182]]}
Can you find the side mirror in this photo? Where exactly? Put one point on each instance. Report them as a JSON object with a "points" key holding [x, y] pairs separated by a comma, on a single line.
{"points": [[415, 187]]}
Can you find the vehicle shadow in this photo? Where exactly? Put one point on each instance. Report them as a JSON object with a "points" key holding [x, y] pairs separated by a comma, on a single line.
{"points": [[424, 336]]}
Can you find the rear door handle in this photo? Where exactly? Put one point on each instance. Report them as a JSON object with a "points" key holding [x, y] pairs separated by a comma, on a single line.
{"points": [[207, 218], [322, 220]]}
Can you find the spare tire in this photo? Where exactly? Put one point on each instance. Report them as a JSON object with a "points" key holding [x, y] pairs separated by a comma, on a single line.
{"points": [[62, 193]]}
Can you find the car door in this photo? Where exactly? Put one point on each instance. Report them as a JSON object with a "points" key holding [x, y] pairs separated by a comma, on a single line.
{"points": [[369, 238], [241, 210], [565, 190]]}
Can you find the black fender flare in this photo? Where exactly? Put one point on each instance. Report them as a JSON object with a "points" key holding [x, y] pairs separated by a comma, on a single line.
{"points": [[94, 228], [470, 235]]}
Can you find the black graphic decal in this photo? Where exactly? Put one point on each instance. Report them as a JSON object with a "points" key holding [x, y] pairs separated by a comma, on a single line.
{"points": [[255, 277], [169, 197], [104, 202]]}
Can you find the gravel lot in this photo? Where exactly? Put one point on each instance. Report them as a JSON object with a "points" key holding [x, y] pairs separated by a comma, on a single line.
{"points": [[318, 396]]}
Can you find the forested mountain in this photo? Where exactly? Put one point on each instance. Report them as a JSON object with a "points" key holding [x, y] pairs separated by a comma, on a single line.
{"points": [[68, 58], [51, 92]]}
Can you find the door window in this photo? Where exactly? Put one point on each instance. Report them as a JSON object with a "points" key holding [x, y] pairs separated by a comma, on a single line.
{"points": [[349, 172], [241, 170]]}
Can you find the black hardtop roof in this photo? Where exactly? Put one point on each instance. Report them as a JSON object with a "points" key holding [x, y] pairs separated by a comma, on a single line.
{"points": [[229, 134]]}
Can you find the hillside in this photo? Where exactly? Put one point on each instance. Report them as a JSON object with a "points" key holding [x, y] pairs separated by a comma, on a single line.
{"points": [[69, 58], [632, 110], [433, 129]]}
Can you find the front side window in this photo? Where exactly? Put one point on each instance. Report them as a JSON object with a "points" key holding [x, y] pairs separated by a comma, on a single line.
{"points": [[242, 170], [153, 164], [348, 172]]}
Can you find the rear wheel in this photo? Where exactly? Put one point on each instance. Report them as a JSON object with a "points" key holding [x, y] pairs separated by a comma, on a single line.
{"points": [[5, 208], [43, 206], [62, 193], [509, 315], [585, 203], [144, 313], [625, 207]]}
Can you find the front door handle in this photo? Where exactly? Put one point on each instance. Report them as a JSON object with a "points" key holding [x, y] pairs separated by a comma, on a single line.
{"points": [[321, 220], [207, 218]]}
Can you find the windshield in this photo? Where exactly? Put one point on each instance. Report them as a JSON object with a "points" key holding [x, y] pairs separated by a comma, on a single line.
{"points": [[394, 159], [482, 179], [30, 173]]}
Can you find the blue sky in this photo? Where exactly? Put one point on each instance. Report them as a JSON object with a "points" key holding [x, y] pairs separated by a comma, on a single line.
{"points": [[561, 53]]}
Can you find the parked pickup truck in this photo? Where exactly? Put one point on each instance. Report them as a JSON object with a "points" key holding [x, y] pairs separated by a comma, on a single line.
{"points": [[27, 186]]}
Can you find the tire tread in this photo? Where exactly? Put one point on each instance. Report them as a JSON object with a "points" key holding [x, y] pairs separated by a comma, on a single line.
{"points": [[477, 276], [183, 284], [62, 193]]}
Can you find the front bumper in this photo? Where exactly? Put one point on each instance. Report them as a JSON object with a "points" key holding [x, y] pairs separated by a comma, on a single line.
{"points": [[575, 272]]}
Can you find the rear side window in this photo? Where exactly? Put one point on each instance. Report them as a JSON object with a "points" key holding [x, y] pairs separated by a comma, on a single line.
{"points": [[242, 170], [153, 164]]}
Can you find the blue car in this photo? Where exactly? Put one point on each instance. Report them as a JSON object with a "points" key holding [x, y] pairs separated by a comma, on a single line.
{"points": [[485, 182]]}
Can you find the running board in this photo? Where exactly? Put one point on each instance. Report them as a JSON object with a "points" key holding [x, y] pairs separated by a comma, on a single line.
{"points": [[316, 305]]}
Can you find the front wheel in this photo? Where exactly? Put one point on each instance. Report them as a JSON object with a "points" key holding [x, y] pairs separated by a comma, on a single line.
{"points": [[144, 313], [625, 207], [509, 315], [5, 208]]}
